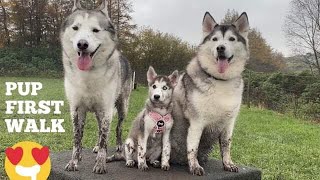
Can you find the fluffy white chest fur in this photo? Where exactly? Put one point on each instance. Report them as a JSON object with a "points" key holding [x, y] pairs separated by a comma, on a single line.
{"points": [[221, 101], [90, 89]]}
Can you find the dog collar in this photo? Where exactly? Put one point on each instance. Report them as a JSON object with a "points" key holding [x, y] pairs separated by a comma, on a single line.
{"points": [[159, 120]]}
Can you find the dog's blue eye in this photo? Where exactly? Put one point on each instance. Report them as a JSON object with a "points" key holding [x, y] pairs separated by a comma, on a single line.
{"points": [[154, 86], [95, 30], [215, 39], [164, 87], [232, 39], [75, 28]]}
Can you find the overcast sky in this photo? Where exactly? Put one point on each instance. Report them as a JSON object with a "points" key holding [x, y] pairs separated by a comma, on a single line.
{"points": [[183, 18]]}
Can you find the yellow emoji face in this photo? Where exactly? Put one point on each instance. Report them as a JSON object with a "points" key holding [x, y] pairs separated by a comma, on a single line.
{"points": [[27, 160]]}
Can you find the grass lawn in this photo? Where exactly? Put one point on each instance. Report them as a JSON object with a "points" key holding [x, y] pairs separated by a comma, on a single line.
{"points": [[281, 146]]}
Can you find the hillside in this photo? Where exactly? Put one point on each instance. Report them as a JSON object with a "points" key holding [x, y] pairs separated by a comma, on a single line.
{"points": [[295, 64], [281, 146]]}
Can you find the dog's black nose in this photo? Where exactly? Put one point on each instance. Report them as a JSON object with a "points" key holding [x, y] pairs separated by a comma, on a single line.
{"points": [[156, 97], [221, 48], [83, 44]]}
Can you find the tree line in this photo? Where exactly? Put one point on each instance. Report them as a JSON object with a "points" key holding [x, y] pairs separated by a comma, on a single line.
{"points": [[31, 23], [29, 46], [33, 27]]}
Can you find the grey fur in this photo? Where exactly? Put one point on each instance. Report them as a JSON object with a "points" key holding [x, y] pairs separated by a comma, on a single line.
{"points": [[224, 29], [107, 84], [206, 103], [76, 5], [237, 28], [134, 149], [107, 25]]}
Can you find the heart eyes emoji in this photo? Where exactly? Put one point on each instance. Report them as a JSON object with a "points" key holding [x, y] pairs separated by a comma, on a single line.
{"points": [[14, 155], [40, 155]]}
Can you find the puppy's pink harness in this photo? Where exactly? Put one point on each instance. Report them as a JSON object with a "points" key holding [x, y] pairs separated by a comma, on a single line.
{"points": [[159, 120]]}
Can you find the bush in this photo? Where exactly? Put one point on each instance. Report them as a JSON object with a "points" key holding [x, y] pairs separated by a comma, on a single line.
{"points": [[311, 93], [298, 94], [273, 97], [31, 62], [256, 81], [310, 110]]}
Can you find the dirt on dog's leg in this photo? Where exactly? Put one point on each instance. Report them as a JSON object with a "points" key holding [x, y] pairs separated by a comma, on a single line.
{"points": [[225, 146], [129, 150], [78, 116], [96, 147], [100, 166], [142, 149], [193, 139], [122, 112]]}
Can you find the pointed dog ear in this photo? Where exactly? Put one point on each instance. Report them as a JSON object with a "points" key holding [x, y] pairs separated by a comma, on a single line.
{"points": [[242, 24], [104, 7], [76, 5], [208, 24], [174, 78], [151, 74]]}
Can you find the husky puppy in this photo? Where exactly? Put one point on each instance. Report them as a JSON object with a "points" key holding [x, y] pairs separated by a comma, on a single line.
{"points": [[97, 78], [149, 136], [208, 96]]}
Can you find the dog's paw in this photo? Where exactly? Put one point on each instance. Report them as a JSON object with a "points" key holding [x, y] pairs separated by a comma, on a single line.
{"points": [[197, 170], [95, 149], [100, 167], [230, 167], [110, 158], [143, 166], [72, 166], [156, 164], [130, 163], [165, 167]]}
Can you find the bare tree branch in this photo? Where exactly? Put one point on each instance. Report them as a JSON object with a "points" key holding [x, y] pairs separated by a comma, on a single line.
{"points": [[302, 29]]}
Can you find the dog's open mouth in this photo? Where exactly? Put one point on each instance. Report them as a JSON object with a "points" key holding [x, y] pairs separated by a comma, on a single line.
{"points": [[223, 63], [91, 54], [84, 61]]}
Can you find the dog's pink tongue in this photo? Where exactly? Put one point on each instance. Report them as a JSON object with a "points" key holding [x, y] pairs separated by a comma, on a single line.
{"points": [[223, 64], [84, 62]]}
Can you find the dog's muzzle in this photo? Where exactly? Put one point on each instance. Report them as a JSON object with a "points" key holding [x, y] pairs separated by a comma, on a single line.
{"points": [[83, 52]]}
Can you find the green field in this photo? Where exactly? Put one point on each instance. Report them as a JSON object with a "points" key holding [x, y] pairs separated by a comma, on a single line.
{"points": [[281, 146]]}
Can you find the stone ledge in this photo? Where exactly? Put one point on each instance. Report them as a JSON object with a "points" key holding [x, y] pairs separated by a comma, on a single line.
{"points": [[117, 170]]}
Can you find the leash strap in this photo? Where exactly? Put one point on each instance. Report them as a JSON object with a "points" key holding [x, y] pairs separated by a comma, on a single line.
{"points": [[160, 121]]}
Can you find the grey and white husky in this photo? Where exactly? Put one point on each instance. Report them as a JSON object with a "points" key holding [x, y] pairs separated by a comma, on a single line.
{"points": [[97, 78], [149, 136], [208, 96]]}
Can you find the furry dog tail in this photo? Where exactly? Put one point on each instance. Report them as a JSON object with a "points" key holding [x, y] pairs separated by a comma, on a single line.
{"points": [[118, 156]]}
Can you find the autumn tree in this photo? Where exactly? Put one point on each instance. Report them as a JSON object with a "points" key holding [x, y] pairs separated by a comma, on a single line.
{"points": [[120, 15], [55, 14], [37, 22], [230, 17], [302, 29], [5, 23], [262, 57], [164, 51], [28, 18]]}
